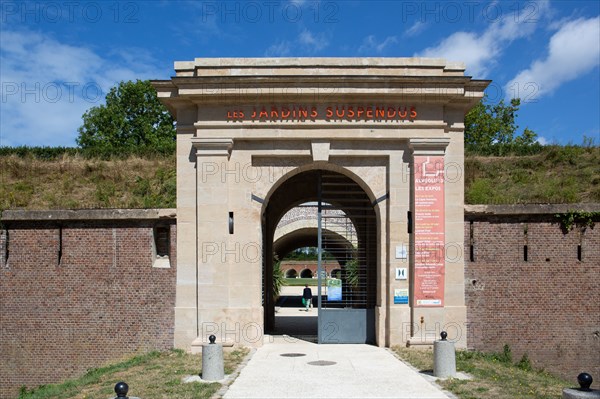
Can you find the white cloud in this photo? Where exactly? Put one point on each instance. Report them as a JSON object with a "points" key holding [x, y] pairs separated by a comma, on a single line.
{"points": [[311, 42], [370, 45], [467, 47], [415, 29], [306, 40], [542, 140], [480, 52], [573, 51], [280, 49], [48, 85]]}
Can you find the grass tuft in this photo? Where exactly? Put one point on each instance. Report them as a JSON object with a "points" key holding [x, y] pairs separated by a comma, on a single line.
{"points": [[152, 375], [494, 376]]}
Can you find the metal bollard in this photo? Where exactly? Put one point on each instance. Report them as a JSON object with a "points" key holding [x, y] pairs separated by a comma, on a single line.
{"points": [[584, 391], [212, 361], [121, 390], [444, 357]]}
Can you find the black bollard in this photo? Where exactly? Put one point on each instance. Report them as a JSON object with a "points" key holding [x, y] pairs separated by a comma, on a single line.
{"points": [[121, 389], [585, 381], [584, 391]]}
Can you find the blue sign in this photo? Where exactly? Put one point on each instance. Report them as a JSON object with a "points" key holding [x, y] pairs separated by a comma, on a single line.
{"points": [[401, 297], [334, 289]]}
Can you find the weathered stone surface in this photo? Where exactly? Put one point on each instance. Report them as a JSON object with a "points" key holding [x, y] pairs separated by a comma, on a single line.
{"points": [[444, 359]]}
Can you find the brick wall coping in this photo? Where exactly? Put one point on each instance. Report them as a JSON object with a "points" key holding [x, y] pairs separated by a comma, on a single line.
{"points": [[88, 214], [169, 213], [528, 209]]}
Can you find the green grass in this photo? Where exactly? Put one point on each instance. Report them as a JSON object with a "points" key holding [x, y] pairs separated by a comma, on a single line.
{"points": [[295, 282], [557, 174], [71, 180], [494, 376], [75, 182], [153, 375]]}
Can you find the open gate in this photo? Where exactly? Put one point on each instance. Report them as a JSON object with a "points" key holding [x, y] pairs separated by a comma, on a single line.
{"points": [[346, 300]]}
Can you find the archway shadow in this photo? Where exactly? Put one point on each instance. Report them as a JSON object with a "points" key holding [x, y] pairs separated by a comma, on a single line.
{"points": [[291, 318]]}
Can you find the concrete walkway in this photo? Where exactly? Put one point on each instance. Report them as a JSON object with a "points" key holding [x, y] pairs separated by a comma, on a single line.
{"points": [[337, 371]]}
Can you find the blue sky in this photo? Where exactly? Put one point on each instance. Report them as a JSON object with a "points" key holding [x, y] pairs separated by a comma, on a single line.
{"points": [[59, 58]]}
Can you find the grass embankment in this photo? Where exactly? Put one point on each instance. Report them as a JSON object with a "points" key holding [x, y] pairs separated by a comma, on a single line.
{"points": [[153, 375], [494, 376], [70, 180], [568, 174]]}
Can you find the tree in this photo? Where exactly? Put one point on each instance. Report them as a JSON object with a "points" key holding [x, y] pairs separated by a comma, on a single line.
{"points": [[132, 118], [278, 277], [490, 129]]}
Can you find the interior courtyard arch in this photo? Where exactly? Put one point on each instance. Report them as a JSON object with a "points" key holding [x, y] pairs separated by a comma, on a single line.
{"points": [[343, 198]]}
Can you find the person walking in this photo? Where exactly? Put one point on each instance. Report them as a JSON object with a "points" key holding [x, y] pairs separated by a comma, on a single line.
{"points": [[306, 297]]}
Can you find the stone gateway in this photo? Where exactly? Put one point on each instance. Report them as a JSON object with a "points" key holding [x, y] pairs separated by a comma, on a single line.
{"points": [[376, 140], [362, 158]]}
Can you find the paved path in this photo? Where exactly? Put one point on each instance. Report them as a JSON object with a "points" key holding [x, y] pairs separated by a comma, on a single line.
{"points": [[360, 371]]}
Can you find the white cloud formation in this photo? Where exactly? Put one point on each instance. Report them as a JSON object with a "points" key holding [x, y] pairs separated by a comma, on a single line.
{"points": [[573, 51], [306, 40], [481, 51], [415, 29], [371, 46], [280, 49], [311, 42], [542, 140], [46, 85]]}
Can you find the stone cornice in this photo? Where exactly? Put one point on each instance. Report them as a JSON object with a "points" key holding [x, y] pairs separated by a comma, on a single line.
{"points": [[220, 81], [320, 66], [429, 146], [207, 147]]}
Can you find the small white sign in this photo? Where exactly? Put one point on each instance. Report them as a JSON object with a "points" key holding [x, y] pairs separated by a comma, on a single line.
{"points": [[401, 273], [401, 252]]}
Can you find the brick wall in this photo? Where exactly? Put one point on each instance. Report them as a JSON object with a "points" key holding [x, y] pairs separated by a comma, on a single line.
{"points": [[548, 306], [101, 301], [312, 265]]}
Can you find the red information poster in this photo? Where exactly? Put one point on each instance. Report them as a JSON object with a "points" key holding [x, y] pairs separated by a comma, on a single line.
{"points": [[429, 231]]}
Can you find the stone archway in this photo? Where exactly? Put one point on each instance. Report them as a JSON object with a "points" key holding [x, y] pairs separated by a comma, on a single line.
{"points": [[247, 126], [337, 191]]}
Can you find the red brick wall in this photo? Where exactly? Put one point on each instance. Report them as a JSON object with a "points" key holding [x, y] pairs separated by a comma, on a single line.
{"points": [[299, 266], [103, 301], [548, 306]]}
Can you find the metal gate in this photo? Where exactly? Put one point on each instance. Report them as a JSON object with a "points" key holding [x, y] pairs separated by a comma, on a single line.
{"points": [[347, 231]]}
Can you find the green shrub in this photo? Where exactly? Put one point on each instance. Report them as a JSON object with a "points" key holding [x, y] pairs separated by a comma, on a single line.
{"points": [[524, 363]]}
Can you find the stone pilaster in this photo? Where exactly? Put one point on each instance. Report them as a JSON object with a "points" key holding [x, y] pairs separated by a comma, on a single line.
{"points": [[436, 263]]}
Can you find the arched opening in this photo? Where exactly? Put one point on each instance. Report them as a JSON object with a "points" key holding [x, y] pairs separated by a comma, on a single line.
{"points": [[338, 198], [336, 273], [291, 273], [306, 273]]}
